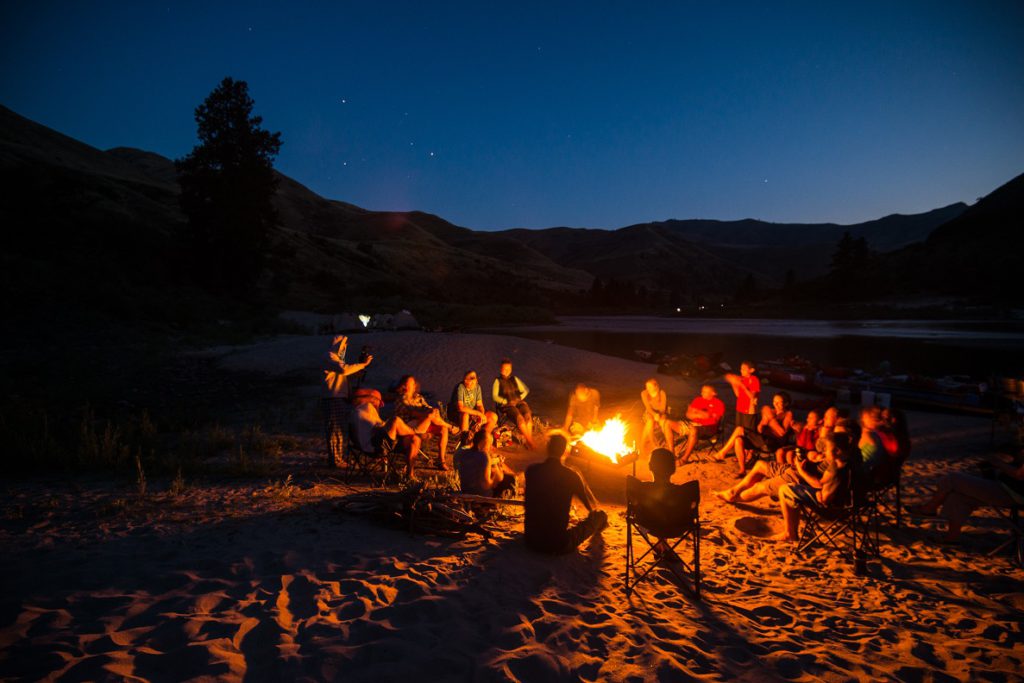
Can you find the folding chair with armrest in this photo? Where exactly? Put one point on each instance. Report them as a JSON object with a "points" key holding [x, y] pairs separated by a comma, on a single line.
{"points": [[842, 526], [1016, 540], [670, 518]]}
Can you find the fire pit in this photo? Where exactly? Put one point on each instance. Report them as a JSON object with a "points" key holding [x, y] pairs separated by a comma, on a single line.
{"points": [[604, 458]]}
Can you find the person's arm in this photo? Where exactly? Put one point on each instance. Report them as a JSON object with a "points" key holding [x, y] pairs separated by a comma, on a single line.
{"points": [[829, 475], [496, 394], [568, 413], [462, 399], [739, 387], [523, 389], [353, 368], [734, 382], [812, 479], [647, 403], [694, 413], [585, 495]]}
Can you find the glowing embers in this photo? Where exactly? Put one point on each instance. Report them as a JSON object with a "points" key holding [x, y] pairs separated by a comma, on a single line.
{"points": [[610, 440]]}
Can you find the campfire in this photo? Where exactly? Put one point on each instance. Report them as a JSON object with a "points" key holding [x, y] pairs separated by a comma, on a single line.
{"points": [[609, 441]]}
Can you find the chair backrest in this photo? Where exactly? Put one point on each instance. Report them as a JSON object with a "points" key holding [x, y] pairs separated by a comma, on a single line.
{"points": [[668, 512]]}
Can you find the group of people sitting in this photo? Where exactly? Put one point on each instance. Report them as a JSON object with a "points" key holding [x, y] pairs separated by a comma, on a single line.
{"points": [[815, 467], [414, 418], [802, 464]]}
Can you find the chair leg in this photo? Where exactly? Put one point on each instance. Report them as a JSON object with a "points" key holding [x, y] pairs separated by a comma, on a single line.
{"points": [[899, 504], [629, 555], [696, 561]]}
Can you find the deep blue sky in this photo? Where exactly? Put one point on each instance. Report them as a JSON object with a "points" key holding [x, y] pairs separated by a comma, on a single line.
{"points": [[588, 114]]}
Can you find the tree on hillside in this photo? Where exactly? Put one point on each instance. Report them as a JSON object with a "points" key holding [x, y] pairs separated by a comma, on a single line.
{"points": [[227, 183], [851, 255]]}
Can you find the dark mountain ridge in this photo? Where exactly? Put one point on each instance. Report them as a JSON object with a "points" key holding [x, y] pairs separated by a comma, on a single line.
{"points": [[110, 221]]}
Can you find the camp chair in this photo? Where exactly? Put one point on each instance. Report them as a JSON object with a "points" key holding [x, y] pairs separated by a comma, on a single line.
{"points": [[1016, 541], [884, 494], [381, 467], [675, 519], [705, 447], [844, 526]]}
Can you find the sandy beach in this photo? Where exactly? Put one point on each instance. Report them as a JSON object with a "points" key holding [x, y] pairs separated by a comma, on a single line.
{"points": [[269, 580]]}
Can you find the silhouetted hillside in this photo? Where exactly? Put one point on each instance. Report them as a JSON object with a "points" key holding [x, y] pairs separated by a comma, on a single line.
{"points": [[94, 229], [977, 254]]}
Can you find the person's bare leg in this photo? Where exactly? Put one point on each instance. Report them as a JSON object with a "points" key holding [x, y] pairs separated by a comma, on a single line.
{"points": [[790, 514], [741, 456], [490, 421], [443, 448], [414, 451], [666, 431], [758, 490], [757, 472], [526, 428], [646, 435], [736, 433], [691, 441]]}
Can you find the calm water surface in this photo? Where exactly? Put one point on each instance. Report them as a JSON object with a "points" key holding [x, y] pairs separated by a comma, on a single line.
{"points": [[933, 347]]}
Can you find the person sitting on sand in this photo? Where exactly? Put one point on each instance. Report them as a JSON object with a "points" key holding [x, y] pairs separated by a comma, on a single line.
{"points": [[655, 402], [509, 394], [467, 406], [550, 488], [413, 408], [703, 416], [370, 432], [958, 494], [769, 436], [655, 498], [767, 477], [337, 369], [584, 404], [835, 483], [480, 472]]}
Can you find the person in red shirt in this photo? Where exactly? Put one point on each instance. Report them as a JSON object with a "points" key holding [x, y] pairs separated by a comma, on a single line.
{"points": [[746, 386], [702, 418]]}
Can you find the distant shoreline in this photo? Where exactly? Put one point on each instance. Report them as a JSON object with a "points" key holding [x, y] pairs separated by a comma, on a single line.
{"points": [[930, 347]]}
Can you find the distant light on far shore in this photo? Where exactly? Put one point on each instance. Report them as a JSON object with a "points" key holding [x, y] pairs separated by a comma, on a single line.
{"points": [[365, 320]]}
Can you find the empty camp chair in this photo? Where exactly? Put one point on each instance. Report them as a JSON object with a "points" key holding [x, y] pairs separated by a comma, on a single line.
{"points": [[672, 518]]}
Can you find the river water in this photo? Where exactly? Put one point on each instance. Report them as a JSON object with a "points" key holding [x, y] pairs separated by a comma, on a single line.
{"points": [[931, 347]]}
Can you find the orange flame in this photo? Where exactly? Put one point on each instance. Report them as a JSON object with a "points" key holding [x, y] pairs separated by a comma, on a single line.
{"points": [[610, 440]]}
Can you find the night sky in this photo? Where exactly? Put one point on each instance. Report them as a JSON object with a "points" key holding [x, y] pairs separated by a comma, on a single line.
{"points": [[587, 114]]}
